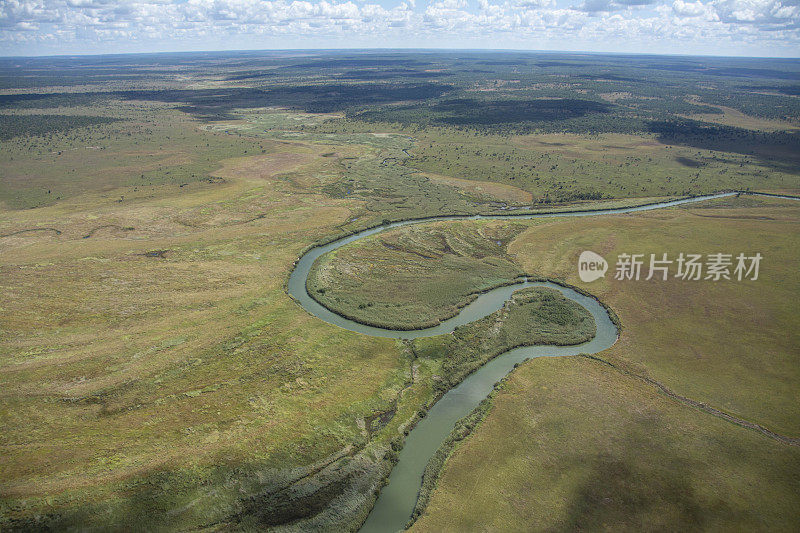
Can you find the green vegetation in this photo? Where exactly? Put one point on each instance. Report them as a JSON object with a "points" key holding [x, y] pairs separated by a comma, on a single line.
{"points": [[576, 443], [132, 151], [135, 384], [155, 375], [726, 351], [706, 353], [532, 316], [564, 168], [545, 114], [145, 306], [570, 444], [434, 271], [34, 125], [686, 125]]}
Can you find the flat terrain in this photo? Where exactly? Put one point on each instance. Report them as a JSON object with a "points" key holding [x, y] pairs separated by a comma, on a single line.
{"points": [[696, 338], [150, 344], [433, 270], [724, 342], [571, 444], [572, 167], [155, 374], [579, 444]]}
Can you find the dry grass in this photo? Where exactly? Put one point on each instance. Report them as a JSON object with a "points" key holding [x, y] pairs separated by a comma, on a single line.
{"points": [[723, 343], [172, 346], [496, 191], [734, 117], [571, 445]]}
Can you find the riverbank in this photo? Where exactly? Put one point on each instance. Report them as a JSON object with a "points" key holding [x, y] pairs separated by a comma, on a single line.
{"points": [[350, 324]]}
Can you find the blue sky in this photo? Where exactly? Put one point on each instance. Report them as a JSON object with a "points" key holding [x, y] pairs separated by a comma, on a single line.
{"points": [[716, 27]]}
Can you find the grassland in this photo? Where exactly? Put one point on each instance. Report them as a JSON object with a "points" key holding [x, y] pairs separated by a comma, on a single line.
{"points": [[148, 145], [154, 371], [155, 375], [569, 444], [733, 117], [725, 363], [703, 365], [532, 316], [571, 167], [721, 343], [433, 271]]}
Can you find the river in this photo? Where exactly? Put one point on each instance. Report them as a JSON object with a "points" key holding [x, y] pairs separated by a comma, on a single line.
{"points": [[397, 500]]}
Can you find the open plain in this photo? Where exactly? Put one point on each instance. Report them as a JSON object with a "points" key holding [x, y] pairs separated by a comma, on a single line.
{"points": [[155, 373]]}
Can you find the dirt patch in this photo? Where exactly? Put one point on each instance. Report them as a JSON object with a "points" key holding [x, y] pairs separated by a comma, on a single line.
{"points": [[734, 117], [263, 166]]}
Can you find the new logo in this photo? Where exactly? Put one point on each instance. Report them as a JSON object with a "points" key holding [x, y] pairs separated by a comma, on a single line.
{"points": [[591, 266]]}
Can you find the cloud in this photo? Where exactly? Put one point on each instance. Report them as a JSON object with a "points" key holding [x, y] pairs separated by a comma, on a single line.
{"points": [[534, 4], [448, 4], [691, 9], [769, 12], [598, 6], [595, 6], [105, 24]]}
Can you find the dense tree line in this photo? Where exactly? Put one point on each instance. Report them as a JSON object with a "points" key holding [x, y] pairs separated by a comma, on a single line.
{"points": [[36, 125]]}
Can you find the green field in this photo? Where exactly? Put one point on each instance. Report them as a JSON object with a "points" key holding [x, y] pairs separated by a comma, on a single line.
{"points": [[154, 319], [142, 367], [697, 365], [155, 374], [559, 168], [532, 316], [570, 444], [433, 271], [726, 364]]}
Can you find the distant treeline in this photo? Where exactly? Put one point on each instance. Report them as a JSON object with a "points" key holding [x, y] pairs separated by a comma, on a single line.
{"points": [[20, 125], [777, 147], [483, 92], [218, 104]]}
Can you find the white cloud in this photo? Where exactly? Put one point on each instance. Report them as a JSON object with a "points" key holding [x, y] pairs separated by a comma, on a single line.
{"points": [[597, 6], [757, 11], [448, 4], [499, 23], [691, 9], [534, 4]]}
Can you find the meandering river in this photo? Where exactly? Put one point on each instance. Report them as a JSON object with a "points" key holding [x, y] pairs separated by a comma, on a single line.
{"points": [[397, 500]]}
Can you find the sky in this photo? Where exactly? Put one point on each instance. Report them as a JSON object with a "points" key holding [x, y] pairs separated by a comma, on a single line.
{"points": [[765, 28]]}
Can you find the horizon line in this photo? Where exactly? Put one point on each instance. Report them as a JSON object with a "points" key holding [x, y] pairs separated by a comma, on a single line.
{"points": [[393, 49]]}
